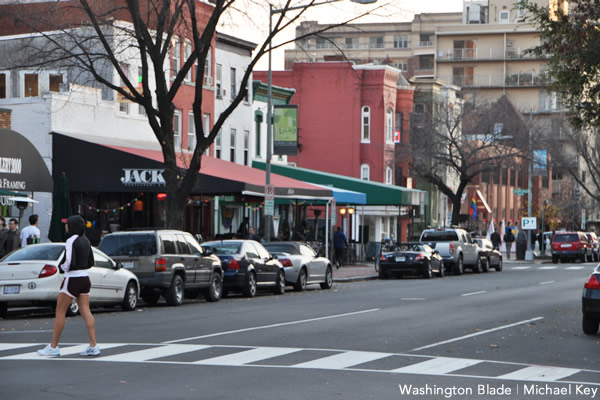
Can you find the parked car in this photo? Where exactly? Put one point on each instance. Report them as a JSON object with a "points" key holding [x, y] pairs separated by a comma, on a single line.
{"points": [[247, 266], [593, 239], [302, 265], [456, 248], [411, 259], [490, 257], [170, 263], [590, 303], [31, 276], [571, 246]]}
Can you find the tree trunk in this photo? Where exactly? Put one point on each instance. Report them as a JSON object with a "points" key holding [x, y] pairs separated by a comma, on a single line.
{"points": [[456, 203], [176, 203]]}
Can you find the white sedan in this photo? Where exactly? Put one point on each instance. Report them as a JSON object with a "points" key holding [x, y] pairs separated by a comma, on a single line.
{"points": [[31, 276], [301, 264]]}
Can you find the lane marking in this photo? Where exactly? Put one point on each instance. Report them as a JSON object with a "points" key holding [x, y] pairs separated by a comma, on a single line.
{"points": [[520, 267], [413, 299], [539, 373], [155, 352], [542, 268], [248, 356], [272, 326], [343, 360], [574, 268], [437, 366], [547, 282], [474, 293], [477, 334], [26, 331]]}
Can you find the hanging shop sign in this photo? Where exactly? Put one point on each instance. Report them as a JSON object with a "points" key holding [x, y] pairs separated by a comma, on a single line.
{"points": [[285, 130]]}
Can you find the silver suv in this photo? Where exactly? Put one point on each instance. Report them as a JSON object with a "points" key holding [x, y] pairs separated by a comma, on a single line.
{"points": [[170, 263]]}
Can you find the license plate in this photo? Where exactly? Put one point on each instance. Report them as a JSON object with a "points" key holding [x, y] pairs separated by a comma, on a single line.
{"points": [[127, 264], [565, 245], [11, 289], [400, 259]]}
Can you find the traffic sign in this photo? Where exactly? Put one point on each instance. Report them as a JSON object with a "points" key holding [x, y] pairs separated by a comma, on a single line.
{"points": [[529, 223], [269, 207], [520, 192], [269, 192]]}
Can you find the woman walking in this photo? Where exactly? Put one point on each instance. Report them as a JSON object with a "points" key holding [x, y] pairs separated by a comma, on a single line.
{"points": [[76, 285]]}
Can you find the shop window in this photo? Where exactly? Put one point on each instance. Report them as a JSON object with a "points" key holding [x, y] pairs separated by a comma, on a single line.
{"points": [[366, 125], [31, 85], [191, 132]]}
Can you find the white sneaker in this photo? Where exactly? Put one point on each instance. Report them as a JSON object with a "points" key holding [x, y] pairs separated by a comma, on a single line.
{"points": [[91, 351], [49, 351]]}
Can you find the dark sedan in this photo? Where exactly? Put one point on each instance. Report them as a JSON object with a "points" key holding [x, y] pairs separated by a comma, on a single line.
{"points": [[247, 266], [490, 257], [417, 259], [590, 303]]}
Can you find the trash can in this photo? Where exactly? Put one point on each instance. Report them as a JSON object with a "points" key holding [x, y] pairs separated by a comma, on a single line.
{"points": [[521, 245]]}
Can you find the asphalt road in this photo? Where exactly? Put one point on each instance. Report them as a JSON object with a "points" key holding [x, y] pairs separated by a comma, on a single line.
{"points": [[509, 335]]}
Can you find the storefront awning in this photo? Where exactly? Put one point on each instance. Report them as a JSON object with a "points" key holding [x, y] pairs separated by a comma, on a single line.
{"points": [[99, 164], [342, 196], [481, 202], [377, 193]]}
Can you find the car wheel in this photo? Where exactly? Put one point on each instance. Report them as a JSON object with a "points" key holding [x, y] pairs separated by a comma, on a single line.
{"points": [[485, 265], [215, 290], [459, 267], [3, 310], [300, 284], [590, 258], [477, 267], [328, 284], [499, 266], [150, 298], [442, 270], [174, 295], [131, 297], [280, 288], [73, 309], [582, 258], [590, 326], [554, 260], [250, 289], [427, 272], [596, 257]]}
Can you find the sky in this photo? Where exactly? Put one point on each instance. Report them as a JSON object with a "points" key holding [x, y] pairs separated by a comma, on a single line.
{"points": [[250, 21]]}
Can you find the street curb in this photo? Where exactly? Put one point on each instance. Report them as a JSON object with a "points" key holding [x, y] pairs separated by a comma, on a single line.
{"points": [[356, 278]]}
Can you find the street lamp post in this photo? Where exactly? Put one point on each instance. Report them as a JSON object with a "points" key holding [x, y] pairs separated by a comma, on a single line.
{"points": [[272, 11]]}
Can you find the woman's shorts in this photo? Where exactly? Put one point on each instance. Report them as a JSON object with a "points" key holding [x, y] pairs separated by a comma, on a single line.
{"points": [[74, 287]]}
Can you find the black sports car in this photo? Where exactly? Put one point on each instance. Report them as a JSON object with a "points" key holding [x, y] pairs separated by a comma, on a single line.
{"points": [[490, 257], [590, 303], [411, 259]]}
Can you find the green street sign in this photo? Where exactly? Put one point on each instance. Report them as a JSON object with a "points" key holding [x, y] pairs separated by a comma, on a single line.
{"points": [[520, 192]]}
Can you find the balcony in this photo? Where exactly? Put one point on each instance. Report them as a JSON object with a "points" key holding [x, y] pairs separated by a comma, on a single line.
{"points": [[493, 81], [488, 54]]}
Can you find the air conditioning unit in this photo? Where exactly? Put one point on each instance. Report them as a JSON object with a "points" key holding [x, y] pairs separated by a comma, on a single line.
{"points": [[220, 92], [208, 80]]}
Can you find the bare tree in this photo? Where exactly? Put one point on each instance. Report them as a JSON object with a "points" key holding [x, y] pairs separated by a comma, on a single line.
{"points": [[94, 39], [454, 142]]}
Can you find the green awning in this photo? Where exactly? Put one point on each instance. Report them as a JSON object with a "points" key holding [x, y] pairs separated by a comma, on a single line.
{"points": [[4, 192], [377, 193]]}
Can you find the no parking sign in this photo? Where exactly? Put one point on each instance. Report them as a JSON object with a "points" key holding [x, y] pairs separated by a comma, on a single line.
{"points": [[529, 223]]}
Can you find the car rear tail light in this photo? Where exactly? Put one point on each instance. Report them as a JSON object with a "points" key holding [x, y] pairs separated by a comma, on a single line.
{"points": [[160, 265], [419, 257], [451, 248], [592, 282], [382, 257], [286, 262], [47, 271], [233, 264]]}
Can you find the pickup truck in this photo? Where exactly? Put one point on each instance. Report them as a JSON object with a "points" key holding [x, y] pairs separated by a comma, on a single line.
{"points": [[456, 248]]}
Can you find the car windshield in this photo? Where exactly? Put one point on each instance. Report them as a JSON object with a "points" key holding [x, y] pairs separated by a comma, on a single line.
{"points": [[40, 252], [566, 238], [223, 248], [439, 236], [282, 248], [133, 245]]}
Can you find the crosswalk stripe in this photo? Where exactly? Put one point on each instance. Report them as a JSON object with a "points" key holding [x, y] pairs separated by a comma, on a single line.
{"points": [[539, 373], [11, 346], [574, 268], [343, 360], [547, 267], [155, 352], [437, 366], [248, 356], [64, 351], [520, 268]]}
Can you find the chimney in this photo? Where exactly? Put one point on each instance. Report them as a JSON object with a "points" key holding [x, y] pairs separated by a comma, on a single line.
{"points": [[5, 121]]}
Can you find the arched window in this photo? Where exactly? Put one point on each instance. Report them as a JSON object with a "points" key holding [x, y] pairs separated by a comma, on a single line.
{"points": [[366, 125], [365, 172], [389, 126], [388, 176]]}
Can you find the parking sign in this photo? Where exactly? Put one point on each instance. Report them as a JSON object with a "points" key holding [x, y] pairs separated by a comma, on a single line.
{"points": [[529, 223]]}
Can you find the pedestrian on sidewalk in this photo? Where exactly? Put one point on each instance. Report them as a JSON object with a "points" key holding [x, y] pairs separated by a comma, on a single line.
{"points": [[10, 238], [31, 234], [78, 260], [509, 238], [495, 238], [339, 243]]}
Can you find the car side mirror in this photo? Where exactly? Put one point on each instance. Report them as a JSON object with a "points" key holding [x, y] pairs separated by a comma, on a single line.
{"points": [[118, 265], [208, 251], [436, 252], [274, 256]]}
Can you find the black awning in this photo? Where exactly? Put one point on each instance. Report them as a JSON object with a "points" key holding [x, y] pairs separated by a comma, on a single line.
{"points": [[22, 168]]}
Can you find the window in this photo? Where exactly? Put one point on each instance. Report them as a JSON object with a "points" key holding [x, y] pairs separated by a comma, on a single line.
{"points": [[247, 95], [246, 147], [123, 107], [365, 172], [218, 145], [463, 76], [54, 82], [31, 85], [426, 62], [520, 13], [258, 118], [513, 180], [388, 175], [464, 49], [3, 85], [376, 42], [400, 42], [232, 145], [504, 17], [187, 52], [208, 68], [351, 43], [141, 109], [233, 89], [425, 40], [419, 108], [366, 125], [177, 129], [498, 128], [176, 59], [219, 81], [191, 132], [206, 127], [399, 123], [389, 126]]}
